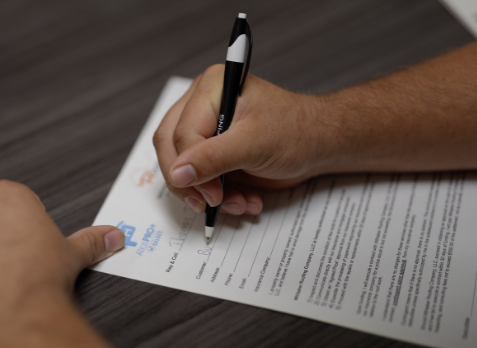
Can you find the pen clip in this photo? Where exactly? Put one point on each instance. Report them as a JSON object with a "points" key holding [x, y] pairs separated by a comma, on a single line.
{"points": [[248, 32]]}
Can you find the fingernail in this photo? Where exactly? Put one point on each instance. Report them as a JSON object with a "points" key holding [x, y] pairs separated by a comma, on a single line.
{"points": [[231, 208], [105, 228], [252, 208], [195, 204], [114, 240], [208, 198], [183, 175]]}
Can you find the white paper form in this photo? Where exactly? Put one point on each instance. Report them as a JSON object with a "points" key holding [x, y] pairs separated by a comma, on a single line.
{"points": [[465, 11], [392, 255]]}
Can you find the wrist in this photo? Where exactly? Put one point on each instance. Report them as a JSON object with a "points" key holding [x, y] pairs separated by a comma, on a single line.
{"points": [[326, 133], [354, 132]]}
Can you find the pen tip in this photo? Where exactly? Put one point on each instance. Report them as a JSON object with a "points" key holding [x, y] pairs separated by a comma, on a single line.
{"points": [[207, 240]]}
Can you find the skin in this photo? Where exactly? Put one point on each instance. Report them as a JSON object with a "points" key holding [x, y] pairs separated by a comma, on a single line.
{"points": [[39, 267], [423, 118]]}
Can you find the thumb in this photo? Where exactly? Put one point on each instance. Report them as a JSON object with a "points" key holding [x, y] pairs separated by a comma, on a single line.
{"points": [[210, 158], [93, 244]]}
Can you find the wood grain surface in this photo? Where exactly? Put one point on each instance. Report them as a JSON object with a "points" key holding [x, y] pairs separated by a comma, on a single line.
{"points": [[78, 79]]}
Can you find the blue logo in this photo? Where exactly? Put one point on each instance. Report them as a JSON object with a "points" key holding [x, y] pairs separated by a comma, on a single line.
{"points": [[128, 231]]}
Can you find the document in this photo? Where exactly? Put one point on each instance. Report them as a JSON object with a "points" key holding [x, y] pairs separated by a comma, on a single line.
{"points": [[394, 255], [465, 11]]}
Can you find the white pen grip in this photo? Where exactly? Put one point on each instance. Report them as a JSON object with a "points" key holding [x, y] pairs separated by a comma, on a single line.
{"points": [[236, 52]]}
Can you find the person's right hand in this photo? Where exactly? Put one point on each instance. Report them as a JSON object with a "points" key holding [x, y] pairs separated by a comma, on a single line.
{"points": [[276, 140]]}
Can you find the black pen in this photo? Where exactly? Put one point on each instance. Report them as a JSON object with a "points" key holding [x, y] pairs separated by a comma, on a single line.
{"points": [[233, 84]]}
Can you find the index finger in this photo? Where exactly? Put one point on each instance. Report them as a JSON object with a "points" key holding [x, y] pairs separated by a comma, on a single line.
{"points": [[166, 151], [199, 117]]}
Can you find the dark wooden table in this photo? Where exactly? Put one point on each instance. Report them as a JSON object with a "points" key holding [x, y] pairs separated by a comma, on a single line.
{"points": [[78, 79]]}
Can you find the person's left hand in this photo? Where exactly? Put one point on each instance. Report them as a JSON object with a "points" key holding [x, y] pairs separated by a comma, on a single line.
{"points": [[38, 265]]}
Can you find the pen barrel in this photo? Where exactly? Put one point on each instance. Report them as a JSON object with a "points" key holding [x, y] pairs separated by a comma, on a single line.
{"points": [[233, 83], [232, 77], [211, 213]]}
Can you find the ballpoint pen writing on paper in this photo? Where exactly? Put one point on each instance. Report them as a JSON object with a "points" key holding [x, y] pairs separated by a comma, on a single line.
{"points": [[233, 84]]}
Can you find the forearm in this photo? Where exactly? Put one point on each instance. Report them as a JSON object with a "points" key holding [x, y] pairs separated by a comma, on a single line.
{"points": [[420, 119]]}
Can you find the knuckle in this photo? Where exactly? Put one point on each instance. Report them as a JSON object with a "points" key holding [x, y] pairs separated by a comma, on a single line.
{"points": [[93, 245], [214, 69], [180, 139], [197, 78], [159, 138], [215, 158]]}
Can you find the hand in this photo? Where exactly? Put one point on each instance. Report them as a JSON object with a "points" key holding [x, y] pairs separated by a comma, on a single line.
{"points": [[39, 267], [273, 142]]}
